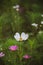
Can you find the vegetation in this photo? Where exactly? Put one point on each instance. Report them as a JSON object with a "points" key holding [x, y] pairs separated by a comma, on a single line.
{"points": [[22, 16]]}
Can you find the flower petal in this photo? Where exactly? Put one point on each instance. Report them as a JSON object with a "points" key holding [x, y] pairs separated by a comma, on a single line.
{"points": [[26, 37], [2, 54], [13, 48], [41, 22], [14, 7], [17, 6], [26, 56], [17, 9], [34, 24], [23, 35], [42, 15], [17, 36]]}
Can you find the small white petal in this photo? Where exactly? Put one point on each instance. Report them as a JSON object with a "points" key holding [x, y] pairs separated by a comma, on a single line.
{"points": [[40, 32], [23, 35], [14, 7], [26, 37], [34, 24], [17, 36], [41, 22], [42, 15], [17, 9], [17, 6]]}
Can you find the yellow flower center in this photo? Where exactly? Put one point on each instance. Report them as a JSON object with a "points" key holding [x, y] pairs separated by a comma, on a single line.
{"points": [[20, 39]]}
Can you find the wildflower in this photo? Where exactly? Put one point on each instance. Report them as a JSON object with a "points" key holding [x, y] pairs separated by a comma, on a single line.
{"points": [[21, 37], [16, 7], [42, 15], [26, 56], [34, 24], [13, 47], [40, 32], [2, 54], [41, 22]]}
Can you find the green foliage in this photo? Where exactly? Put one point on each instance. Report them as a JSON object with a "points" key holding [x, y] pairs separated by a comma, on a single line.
{"points": [[12, 21], [40, 38], [30, 47], [34, 17]]}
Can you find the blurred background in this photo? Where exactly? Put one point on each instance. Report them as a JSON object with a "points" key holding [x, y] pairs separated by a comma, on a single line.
{"points": [[20, 20]]}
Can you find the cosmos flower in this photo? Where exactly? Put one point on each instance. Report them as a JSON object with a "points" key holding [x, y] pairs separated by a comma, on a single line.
{"points": [[41, 22], [21, 37], [2, 54], [26, 56], [13, 47], [16, 7], [34, 24]]}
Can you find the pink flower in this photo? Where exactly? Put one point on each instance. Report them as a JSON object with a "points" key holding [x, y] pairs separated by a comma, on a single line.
{"points": [[2, 54], [26, 56], [13, 47]]}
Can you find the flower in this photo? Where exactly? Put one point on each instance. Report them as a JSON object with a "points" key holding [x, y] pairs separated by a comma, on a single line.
{"points": [[41, 22], [42, 15], [26, 56], [13, 47], [34, 24], [16, 7], [40, 32], [2, 54], [21, 37]]}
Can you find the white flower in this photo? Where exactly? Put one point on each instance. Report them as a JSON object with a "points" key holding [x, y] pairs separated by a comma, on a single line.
{"points": [[34, 24], [40, 32], [21, 37], [16, 7], [42, 15], [41, 22]]}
